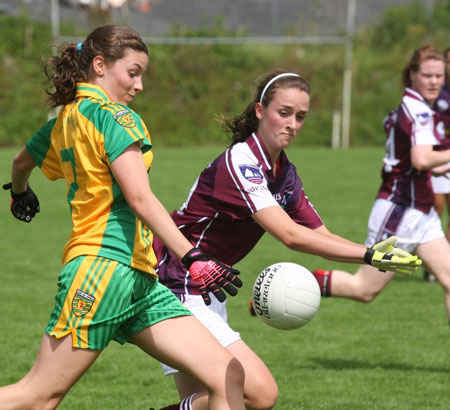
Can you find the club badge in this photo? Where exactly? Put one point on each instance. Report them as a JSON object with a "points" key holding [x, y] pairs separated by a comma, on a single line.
{"points": [[423, 118], [125, 119], [252, 173], [82, 303]]}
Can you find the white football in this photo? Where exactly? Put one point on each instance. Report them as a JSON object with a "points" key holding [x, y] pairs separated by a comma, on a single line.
{"points": [[286, 296]]}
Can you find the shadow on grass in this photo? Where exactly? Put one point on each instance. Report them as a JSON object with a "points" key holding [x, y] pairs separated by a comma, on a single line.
{"points": [[344, 364]]}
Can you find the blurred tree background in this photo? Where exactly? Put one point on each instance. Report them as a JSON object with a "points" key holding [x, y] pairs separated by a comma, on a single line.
{"points": [[187, 87]]}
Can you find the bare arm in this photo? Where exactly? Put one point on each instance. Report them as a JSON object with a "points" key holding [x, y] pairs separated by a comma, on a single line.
{"points": [[423, 157], [23, 165], [440, 170], [319, 242], [129, 171], [324, 231]]}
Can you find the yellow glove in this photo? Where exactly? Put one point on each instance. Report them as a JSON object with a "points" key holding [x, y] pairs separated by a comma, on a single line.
{"points": [[386, 257]]}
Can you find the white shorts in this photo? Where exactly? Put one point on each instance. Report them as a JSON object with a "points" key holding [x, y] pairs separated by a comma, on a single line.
{"points": [[411, 226], [214, 317], [441, 185]]}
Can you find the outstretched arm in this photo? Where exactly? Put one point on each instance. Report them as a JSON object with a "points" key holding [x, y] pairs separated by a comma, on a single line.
{"points": [[321, 242], [277, 222]]}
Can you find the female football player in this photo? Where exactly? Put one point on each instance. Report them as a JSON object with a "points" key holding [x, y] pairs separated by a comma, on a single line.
{"points": [[107, 288], [250, 189], [441, 184], [404, 204]]}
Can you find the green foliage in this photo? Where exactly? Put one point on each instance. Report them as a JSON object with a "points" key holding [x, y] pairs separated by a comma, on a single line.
{"points": [[21, 90], [391, 354], [404, 22], [380, 53], [187, 87]]}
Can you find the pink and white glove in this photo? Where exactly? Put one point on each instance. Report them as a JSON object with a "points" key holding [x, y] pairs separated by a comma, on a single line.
{"points": [[210, 275]]}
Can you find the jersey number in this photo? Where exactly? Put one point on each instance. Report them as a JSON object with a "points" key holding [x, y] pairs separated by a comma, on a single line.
{"points": [[389, 159], [67, 156]]}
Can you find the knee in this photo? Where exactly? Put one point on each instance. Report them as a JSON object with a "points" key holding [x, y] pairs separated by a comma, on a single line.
{"points": [[264, 398], [444, 280], [442, 274], [47, 403], [32, 402], [260, 391], [365, 292], [367, 297], [40, 399], [53, 402]]}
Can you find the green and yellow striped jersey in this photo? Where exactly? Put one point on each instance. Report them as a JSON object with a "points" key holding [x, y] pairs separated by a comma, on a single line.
{"points": [[79, 146]]}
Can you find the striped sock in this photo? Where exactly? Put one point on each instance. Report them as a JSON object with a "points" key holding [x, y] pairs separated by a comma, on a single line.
{"points": [[185, 404], [324, 279]]}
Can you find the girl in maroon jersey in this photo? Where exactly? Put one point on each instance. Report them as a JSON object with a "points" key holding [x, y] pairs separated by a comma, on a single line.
{"points": [[442, 187], [250, 189], [405, 202]]}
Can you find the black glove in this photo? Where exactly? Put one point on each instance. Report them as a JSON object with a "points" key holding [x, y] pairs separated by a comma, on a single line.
{"points": [[210, 275], [23, 206]]}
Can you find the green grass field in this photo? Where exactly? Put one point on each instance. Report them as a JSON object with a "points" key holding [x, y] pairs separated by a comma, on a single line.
{"points": [[390, 354]]}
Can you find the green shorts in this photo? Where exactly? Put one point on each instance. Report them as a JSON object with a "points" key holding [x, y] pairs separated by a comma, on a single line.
{"points": [[100, 300]]}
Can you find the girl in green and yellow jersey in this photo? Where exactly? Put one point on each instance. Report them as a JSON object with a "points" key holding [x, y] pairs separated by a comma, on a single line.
{"points": [[108, 288]]}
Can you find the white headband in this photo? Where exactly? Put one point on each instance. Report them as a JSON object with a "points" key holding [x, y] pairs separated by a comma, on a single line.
{"points": [[273, 80]]}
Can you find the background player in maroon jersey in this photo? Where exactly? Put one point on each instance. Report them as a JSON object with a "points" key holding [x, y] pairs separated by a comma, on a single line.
{"points": [[250, 189], [404, 204], [441, 184], [442, 196]]}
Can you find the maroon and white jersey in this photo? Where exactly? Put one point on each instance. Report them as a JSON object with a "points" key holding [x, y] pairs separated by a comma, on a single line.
{"points": [[442, 105], [413, 123], [217, 215]]}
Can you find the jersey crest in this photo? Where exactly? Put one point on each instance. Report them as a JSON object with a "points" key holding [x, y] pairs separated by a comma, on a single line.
{"points": [[82, 303], [125, 119], [423, 118], [252, 173]]}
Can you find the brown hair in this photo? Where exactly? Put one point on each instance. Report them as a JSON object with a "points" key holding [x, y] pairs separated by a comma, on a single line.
{"points": [[424, 53], [243, 125], [74, 62], [446, 51]]}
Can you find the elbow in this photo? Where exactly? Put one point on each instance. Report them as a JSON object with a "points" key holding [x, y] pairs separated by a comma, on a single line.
{"points": [[140, 205], [137, 205], [23, 162], [421, 165], [421, 161], [289, 240]]}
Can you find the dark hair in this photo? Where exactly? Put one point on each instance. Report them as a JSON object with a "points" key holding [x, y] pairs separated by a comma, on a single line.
{"points": [[74, 62], [244, 124], [424, 53], [447, 60]]}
